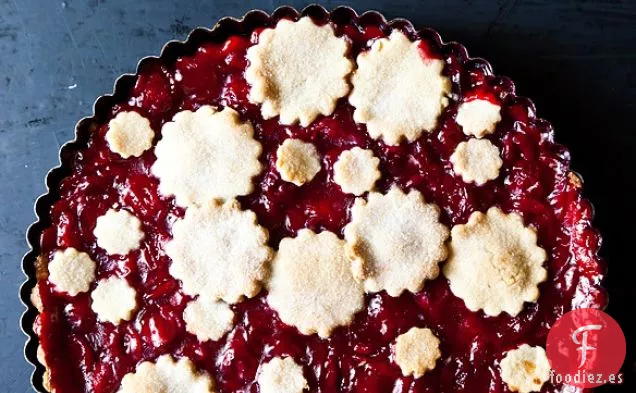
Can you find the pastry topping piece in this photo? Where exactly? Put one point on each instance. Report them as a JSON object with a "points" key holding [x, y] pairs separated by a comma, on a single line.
{"points": [[297, 161], [72, 271], [207, 318], [114, 300], [397, 91], [476, 160], [311, 286], [396, 241], [281, 375], [219, 250], [298, 70], [206, 154], [118, 232], [356, 171], [525, 369], [167, 376], [495, 264], [478, 117], [129, 134], [416, 351]]}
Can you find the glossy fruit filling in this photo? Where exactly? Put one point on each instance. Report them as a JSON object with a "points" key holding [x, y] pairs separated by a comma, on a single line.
{"points": [[86, 355]]}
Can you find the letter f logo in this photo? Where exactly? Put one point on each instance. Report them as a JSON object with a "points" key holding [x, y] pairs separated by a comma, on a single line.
{"points": [[584, 348]]}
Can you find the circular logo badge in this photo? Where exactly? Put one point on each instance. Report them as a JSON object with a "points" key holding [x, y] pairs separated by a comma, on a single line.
{"points": [[586, 348]]}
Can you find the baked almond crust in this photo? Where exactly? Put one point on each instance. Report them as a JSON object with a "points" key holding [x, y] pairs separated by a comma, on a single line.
{"points": [[41, 269]]}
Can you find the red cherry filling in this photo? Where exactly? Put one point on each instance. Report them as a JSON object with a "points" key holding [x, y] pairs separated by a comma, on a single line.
{"points": [[84, 354]]}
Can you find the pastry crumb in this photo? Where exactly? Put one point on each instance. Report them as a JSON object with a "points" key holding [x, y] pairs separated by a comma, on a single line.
{"points": [[416, 351], [495, 263], [166, 375], [281, 375], [356, 171], [478, 117], [114, 300], [397, 92], [297, 161], [298, 71], [525, 369], [197, 158], [395, 241], [129, 134], [207, 318], [234, 269], [118, 232], [72, 271], [311, 286], [476, 161]]}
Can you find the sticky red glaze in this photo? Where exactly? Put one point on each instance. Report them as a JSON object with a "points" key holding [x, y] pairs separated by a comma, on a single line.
{"points": [[85, 355]]}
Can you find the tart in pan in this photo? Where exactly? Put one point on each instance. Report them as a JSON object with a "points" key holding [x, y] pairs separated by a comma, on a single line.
{"points": [[308, 201]]}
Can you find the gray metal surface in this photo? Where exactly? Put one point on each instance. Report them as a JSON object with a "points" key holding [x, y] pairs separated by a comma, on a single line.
{"points": [[575, 59]]}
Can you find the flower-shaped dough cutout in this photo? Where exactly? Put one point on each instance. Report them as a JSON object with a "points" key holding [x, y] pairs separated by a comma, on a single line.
{"points": [[356, 171], [198, 160], [118, 232], [398, 92], [114, 300], [311, 286], [219, 250], [495, 263], [167, 376], [281, 375], [416, 351], [395, 241], [297, 161], [478, 117], [476, 160], [525, 369], [298, 70], [72, 271], [207, 318], [129, 134]]}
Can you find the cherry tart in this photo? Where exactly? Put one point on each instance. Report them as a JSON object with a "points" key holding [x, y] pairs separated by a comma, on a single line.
{"points": [[312, 202]]}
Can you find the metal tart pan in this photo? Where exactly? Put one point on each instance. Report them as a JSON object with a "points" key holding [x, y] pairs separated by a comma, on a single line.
{"points": [[34, 266]]}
